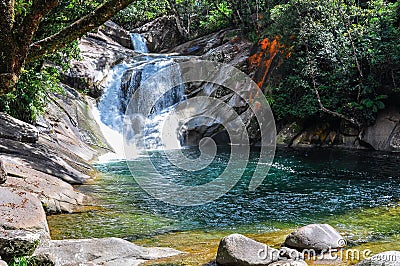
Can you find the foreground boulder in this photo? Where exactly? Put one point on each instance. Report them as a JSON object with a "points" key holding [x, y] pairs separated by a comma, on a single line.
{"points": [[23, 223], [238, 250], [106, 251], [388, 258], [315, 236]]}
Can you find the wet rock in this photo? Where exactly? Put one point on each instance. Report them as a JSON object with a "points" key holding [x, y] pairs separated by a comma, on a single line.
{"points": [[315, 236], [14, 129], [107, 251], [388, 258], [238, 250], [162, 33], [384, 135], [117, 34], [99, 54], [288, 133]]}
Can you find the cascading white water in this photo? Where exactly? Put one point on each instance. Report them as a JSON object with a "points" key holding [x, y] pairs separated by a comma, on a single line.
{"points": [[124, 81], [139, 43]]}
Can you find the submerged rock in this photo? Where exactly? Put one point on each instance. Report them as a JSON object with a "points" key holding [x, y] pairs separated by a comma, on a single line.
{"points": [[106, 251], [238, 250], [388, 258], [315, 236]]}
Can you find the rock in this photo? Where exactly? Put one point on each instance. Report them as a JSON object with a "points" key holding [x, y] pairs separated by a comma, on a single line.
{"points": [[238, 250], [18, 243], [3, 173], [162, 33], [204, 45], [288, 133], [384, 134], [289, 263], [23, 223], [55, 195], [388, 258], [14, 129], [99, 54], [290, 253], [315, 236], [42, 159], [117, 34], [3, 263], [106, 251], [71, 129]]}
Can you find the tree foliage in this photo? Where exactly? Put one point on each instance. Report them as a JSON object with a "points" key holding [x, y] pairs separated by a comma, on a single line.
{"points": [[345, 58]]}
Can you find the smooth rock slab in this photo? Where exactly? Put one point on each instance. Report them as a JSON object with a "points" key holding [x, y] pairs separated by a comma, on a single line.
{"points": [[238, 250], [56, 195], [105, 251], [388, 258], [11, 128], [315, 236]]}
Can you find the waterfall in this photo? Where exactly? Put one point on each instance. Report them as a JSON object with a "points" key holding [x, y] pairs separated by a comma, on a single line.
{"points": [[122, 83], [139, 43]]}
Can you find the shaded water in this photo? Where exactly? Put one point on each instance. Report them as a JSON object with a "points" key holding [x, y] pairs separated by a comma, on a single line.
{"points": [[340, 187]]}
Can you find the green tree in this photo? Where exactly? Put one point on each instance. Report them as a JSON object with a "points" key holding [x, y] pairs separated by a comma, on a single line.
{"points": [[21, 20]]}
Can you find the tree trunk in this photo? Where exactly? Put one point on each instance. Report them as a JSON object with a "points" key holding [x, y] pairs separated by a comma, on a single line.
{"points": [[16, 40]]}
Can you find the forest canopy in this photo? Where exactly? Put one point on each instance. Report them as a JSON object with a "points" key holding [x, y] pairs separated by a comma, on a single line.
{"points": [[344, 55]]}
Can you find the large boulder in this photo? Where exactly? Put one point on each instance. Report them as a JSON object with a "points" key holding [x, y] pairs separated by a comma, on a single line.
{"points": [[106, 251], [117, 33], [315, 236], [161, 33], [238, 250], [99, 54], [384, 135], [14, 129], [388, 258], [23, 223]]}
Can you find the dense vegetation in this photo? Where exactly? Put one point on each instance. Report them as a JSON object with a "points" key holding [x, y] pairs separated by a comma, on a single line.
{"points": [[344, 55]]}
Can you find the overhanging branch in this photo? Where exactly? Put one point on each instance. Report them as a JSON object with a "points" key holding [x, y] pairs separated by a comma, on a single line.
{"points": [[77, 29]]}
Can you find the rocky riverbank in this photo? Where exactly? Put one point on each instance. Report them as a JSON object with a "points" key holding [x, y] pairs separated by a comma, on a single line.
{"points": [[40, 164]]}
